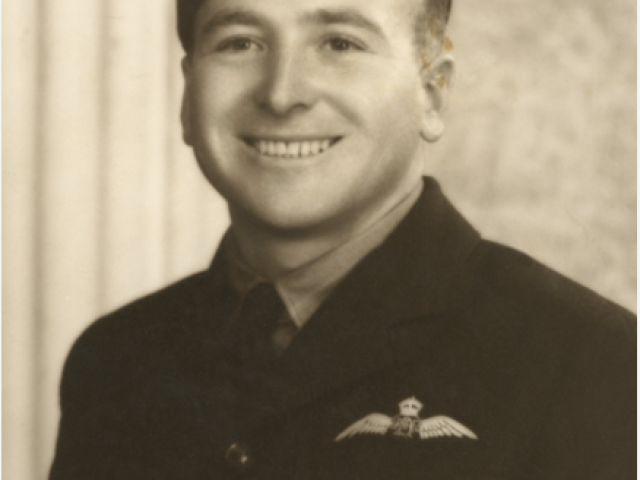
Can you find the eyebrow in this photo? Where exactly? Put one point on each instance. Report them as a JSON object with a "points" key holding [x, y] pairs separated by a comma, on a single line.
{"points": [[343, 17], [318, 17], [224, 18]]}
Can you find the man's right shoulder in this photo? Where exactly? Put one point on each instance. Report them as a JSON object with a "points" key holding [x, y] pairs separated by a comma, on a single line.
{"points": [[176, 302], [152, 321]]}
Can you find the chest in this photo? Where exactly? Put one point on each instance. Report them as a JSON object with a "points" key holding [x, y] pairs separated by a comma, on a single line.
{"points": [[466, 418], [363, 433], [457, 429]]}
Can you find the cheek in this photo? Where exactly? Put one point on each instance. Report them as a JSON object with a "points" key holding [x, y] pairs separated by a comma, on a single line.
{"points": [[207, 102], [217, 93], [394, 122], [381, 99]]}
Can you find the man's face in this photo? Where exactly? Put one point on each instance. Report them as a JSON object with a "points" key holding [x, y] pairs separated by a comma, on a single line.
{"points": [[306, 115]]}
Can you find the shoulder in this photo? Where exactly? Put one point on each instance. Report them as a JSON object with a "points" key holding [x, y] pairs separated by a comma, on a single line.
{"points": [[525, 287], [514, 303], [566, 349], [170, 305], [121, 346]]}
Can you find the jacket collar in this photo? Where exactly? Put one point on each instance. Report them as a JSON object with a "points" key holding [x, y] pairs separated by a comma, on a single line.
{"points": [[305, 288], [410, 274], [408, 277]]}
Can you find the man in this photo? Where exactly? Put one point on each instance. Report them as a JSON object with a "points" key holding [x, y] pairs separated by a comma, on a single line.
{"points": [[352, 323]]}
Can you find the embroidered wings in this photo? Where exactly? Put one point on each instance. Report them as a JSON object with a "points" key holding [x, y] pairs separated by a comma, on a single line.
{"points": [[443, 426], [438, 426], [376, 423]]}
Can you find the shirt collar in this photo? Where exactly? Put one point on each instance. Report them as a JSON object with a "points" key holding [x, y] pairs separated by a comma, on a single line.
{"points": [[304, 289]]}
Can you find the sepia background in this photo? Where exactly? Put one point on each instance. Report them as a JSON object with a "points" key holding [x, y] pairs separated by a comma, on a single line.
{"points": [[103, 203]]}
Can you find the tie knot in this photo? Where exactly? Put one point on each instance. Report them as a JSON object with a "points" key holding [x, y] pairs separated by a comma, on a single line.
{"points": [[260, 312], [262, 307]]}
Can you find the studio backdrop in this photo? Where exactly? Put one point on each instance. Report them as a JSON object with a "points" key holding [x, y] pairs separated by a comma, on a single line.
{"points": [[102, 202]]}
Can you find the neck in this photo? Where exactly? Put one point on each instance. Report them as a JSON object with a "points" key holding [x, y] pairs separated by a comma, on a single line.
{"points": [[272, 252]]}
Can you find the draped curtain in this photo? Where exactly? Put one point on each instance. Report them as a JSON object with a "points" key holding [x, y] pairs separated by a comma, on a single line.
{"points": [[102, 202]]}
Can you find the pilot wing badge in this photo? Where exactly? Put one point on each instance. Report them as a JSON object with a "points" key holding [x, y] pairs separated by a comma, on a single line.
{"points": [[408, 425]]}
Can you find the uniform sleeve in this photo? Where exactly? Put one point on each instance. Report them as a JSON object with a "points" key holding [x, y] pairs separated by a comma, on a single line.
{"points": [[136, 403], [95, 431], [590, 431]]}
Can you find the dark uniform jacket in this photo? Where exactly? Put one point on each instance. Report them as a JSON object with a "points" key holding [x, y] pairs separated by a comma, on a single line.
{"points": [[531, 376]]}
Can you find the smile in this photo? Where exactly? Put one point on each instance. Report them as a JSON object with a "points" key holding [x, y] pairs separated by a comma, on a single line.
{"points": [[291, 149]]}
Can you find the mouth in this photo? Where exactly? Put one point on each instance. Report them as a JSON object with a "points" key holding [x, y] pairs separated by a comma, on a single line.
{"points": [[291, 148]]}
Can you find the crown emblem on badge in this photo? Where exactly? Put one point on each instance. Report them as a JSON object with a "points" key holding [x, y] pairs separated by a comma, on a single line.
{"points": [[410, 407], [408, 424]]}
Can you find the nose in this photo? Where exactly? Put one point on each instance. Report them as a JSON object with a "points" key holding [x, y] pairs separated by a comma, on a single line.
{"points": [[288, 84]]}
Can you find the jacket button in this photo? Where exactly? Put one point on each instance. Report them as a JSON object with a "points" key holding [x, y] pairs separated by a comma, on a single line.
{"points": [[239, 457]]}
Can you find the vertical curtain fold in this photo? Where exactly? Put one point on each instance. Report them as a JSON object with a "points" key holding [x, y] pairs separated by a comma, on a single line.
{"points": [[102, 202]]}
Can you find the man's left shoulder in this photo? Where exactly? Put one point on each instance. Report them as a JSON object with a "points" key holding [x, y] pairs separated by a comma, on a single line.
{"points": [[522, 295], [515, 303], [563, 348]]}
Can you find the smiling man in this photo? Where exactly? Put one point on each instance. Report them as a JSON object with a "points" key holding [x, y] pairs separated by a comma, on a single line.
{"points": [[307, 116], [352, 324]]}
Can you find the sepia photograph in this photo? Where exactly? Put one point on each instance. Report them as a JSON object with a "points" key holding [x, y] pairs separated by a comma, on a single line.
{"points": [[319, 239]]}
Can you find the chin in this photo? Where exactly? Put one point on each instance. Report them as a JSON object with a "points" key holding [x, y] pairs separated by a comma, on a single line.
{"points": [[286, 218], [294, 222]]}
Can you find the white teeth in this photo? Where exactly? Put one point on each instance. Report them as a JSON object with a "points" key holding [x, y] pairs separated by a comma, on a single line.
{"points": [[291, 149]]}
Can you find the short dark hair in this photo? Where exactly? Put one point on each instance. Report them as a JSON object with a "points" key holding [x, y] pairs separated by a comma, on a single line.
{"points": [[430, 25]]}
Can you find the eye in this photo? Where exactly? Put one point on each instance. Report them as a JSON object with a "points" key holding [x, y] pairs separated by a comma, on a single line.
{"points": [[341, 44], [238, 44]]}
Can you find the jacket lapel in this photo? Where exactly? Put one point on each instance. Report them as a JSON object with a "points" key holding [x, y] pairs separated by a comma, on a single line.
{"points": [[409, 277]]}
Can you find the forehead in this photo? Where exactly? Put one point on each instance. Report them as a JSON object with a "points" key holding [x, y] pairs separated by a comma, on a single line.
{"points": [[390, 16]]}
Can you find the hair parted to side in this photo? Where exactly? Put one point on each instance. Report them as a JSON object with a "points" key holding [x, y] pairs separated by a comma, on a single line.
{"points": [[430, 26]]}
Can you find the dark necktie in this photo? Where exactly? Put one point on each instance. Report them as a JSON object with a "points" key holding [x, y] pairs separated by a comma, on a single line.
{"points": [[260, 312]]}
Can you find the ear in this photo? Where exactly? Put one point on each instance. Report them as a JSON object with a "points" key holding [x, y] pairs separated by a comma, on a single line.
{"points": [[185, 111], [436, 80]]}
